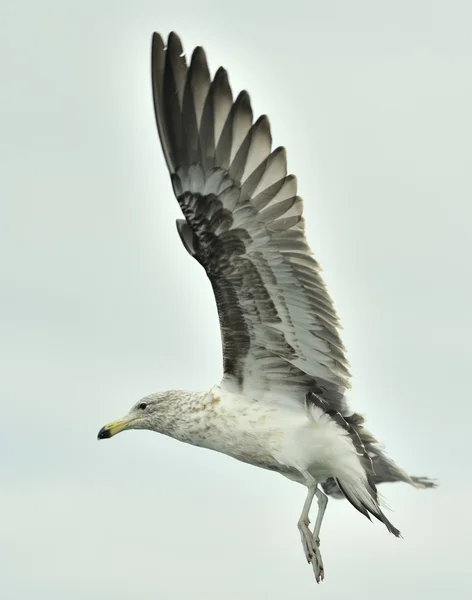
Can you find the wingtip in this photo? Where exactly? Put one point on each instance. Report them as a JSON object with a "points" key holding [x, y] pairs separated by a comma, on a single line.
{"points": [[157, 46], [243, 97], [174, 44], [263, 123], [221, 84], [157, 38], [198, 63], [221, 74], [243, 102], [198, 54], [173, 38]]}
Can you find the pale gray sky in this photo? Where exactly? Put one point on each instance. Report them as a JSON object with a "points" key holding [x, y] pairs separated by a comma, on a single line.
{"points": [[100, 304]]}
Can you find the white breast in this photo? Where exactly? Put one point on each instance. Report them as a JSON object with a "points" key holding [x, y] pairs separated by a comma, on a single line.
{"points": [[280, 436]]}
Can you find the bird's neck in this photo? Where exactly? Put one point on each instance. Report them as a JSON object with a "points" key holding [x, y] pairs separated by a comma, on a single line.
{"points": [[186, 414]]}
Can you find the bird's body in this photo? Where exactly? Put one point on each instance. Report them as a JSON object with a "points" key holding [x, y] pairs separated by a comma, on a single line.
{"points": [[250, 431], [270, 433], [281, 404]]}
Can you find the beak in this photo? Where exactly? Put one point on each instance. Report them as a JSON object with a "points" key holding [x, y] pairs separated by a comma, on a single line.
{"points": [[115, 427]]}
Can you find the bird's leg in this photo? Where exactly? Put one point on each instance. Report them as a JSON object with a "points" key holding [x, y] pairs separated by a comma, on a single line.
{"points": [[312, 551], [322, 503], [304, 522]]}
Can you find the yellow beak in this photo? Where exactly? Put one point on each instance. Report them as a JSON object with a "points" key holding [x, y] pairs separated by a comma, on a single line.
{"points": [[115, 427]]}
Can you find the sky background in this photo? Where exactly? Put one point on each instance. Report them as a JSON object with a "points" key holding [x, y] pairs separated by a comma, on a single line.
{"points": [[100, 303]]}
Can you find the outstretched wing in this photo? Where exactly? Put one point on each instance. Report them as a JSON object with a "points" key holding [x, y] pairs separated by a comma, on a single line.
{"points": [[243, 223]]}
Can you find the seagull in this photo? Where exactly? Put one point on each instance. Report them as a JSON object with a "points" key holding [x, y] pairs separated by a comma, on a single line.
{"points": [[281, 403]]}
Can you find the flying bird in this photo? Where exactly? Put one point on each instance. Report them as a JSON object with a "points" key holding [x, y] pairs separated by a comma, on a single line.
{"points": [[281, 403]]}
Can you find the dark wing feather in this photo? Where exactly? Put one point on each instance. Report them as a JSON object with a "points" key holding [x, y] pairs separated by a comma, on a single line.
{"points": [[244, 225]]}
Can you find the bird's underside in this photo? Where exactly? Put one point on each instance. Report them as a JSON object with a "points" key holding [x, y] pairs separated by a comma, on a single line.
{"points": [[285, 369]]}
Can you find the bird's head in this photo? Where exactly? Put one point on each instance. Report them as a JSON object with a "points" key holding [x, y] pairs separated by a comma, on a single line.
{"points": [[151, 412]]}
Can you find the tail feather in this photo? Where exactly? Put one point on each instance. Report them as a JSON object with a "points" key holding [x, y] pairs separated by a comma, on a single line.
{"points": [[423, 482], [386, 470], [383, 468], [357, 483], [364, 499]]}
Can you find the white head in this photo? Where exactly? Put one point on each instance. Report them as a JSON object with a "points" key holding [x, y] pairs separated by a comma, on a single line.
{"points": [[156, 412]]}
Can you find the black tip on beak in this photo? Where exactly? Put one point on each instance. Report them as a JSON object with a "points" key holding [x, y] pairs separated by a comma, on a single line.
{"points": [[103, 434]]}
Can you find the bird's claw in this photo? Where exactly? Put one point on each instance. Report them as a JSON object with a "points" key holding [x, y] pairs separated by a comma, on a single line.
{"points": [[312, 552]]}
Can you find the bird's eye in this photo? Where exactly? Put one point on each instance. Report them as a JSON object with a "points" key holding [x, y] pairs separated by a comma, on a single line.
{"points": [[142, 406]]}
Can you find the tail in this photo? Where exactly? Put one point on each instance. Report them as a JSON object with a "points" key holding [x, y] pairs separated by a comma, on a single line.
{"points": [[383, 469], [358, 484], [363, 496], [422, 482]]}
